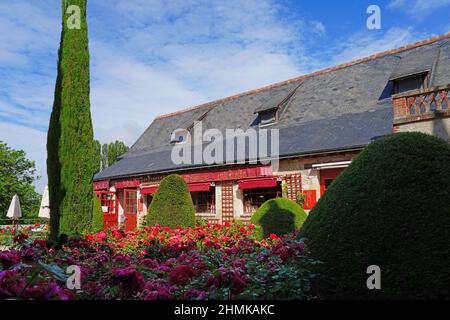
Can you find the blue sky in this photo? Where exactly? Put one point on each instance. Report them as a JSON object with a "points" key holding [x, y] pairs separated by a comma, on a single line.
{"points": [[152, 57]]}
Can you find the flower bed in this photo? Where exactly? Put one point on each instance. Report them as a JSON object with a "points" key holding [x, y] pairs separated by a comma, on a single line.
{"points": [[205, 262]]}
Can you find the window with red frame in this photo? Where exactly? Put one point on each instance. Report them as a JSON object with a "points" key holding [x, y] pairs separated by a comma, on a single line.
{"points": [[130, 201], [254, 198], [107, 199], [204, 201]]}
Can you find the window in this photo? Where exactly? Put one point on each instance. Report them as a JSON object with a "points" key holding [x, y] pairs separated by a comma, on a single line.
{"points": [[107, 201], [415, 82], [268, 117], [130, 201], [204, 201], [254, 198], [180, 136]]}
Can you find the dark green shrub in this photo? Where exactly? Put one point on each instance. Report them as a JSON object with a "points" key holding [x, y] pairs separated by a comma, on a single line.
{"points": [[97, 215], [172, 204], [389, 208], [278, 216]]}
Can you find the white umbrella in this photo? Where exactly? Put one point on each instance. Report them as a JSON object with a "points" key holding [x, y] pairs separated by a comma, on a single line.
{"points": [[44, 209], [14, 212]]}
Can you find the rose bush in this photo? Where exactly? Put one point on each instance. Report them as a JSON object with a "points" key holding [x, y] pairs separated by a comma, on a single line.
{"points": [[204, 262]]}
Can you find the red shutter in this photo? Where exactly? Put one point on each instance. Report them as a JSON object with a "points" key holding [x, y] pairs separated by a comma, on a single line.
{"points": [[310, 199]]}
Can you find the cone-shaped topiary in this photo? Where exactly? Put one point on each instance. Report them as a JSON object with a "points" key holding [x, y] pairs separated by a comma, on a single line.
{"points": [[278, 216], [97, 215], [172, 204], [389, 208], [70, 145]]}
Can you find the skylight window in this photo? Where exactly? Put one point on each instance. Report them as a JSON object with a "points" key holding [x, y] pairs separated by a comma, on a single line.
{"points": [[414, 82], [268, 116], [180, 136]]}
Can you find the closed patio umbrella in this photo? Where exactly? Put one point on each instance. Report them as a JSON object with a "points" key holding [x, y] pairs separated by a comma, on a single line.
{"points": [[14, 212], [44, 209]]}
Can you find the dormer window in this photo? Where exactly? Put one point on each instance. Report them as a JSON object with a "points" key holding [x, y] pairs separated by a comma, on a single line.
{"points": [[414, 82], [268, 116], [180, 136]]}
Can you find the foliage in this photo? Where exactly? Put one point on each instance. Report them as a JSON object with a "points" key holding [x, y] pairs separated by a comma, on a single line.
{"points": [[70, 148], [388, 208], [172, 204], [98, 156], [279, 216], [32, 232], [97, 215], [17, 175], [300, 199], [210, 262], [109, 152]]}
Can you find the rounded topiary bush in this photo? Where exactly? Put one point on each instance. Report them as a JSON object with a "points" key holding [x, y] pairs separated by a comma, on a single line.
{"points": [[389, 208], [278, 216], [172, 204], [97, 215]]}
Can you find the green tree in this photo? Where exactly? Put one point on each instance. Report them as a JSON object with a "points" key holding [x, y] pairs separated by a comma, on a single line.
{"points": [[17, 174], [98, 156], [108, 153], [115, 149], [104, 156], [70, 147]]}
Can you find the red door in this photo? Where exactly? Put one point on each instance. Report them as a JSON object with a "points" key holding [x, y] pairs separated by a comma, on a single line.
{"points": [[327, 176], [130, 209], [109, 204]]}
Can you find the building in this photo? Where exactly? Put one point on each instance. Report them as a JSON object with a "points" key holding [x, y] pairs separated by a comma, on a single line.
{"points": [[324, 120]]}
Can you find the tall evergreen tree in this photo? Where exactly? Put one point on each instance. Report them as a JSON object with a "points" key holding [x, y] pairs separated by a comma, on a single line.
{"points": [[70, 147]]}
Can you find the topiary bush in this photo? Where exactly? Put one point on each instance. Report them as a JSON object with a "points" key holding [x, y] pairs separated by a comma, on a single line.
{"points": [[389, 208], [279, 216], [97, 215], [172, 204]]}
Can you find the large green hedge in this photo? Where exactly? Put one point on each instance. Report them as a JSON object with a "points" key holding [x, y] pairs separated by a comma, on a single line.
{"points": [[389, 208], [97, 215], [172, 204], [279, 216], [70, 144]]}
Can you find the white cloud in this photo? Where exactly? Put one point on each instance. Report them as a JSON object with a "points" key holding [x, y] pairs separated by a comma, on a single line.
{"points": [[365, 43], [33, 142], [418, 8]]}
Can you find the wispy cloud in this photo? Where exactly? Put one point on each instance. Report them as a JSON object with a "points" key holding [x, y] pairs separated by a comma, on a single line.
{"points": [[418, 8], [365, 43]]}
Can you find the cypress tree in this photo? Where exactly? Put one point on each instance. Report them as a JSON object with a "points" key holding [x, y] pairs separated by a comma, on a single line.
{"points": [[70, 146]]}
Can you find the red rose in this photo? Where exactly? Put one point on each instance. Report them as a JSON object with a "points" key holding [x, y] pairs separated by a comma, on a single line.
{"points": [[180, 275]]}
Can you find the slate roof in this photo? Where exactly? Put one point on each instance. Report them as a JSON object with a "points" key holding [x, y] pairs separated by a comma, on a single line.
{"points": [[344, 107]]}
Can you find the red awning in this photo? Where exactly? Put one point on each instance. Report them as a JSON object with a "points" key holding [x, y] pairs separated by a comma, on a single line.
{"points": [[194, 187], [258, 183], [127, 184], [149, 189]]}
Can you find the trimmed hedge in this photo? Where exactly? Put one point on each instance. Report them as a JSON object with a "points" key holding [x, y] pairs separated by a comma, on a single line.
{"points": [[389, 208], [172, 204], [279, 216], [97, 215]]}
